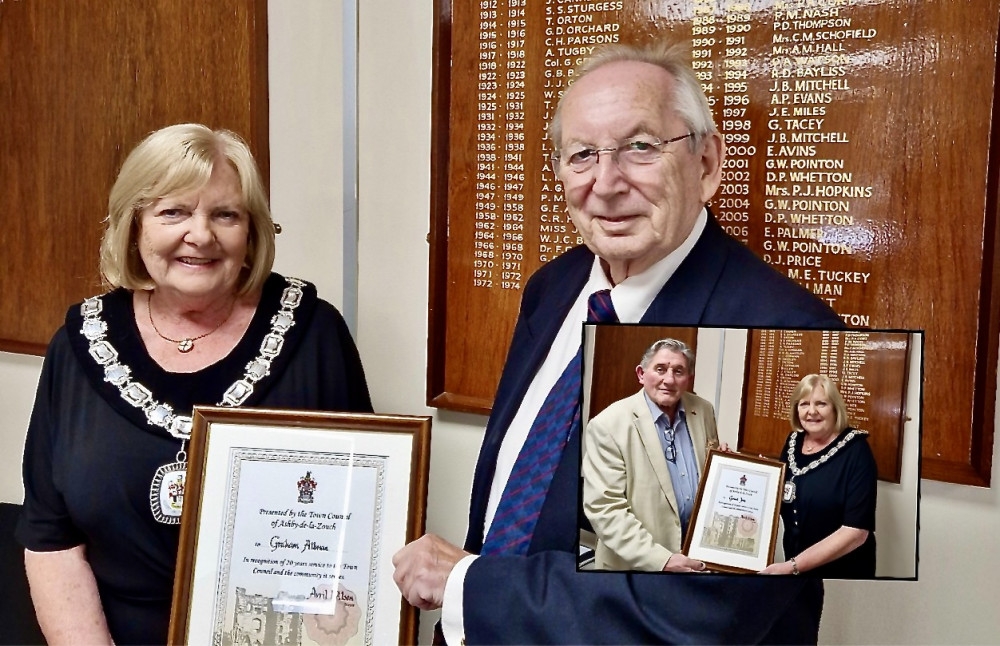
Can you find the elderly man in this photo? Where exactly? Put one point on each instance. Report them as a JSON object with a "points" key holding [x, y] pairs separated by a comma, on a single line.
{"points": [[639, 157], [641, 463]]}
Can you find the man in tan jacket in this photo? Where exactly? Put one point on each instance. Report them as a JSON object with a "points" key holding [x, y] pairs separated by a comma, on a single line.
{"points": [[642, 459]]}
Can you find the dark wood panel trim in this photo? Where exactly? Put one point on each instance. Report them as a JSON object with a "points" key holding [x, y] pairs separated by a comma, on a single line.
{"points": [[461, 403], [260, 103], [437, 394]]}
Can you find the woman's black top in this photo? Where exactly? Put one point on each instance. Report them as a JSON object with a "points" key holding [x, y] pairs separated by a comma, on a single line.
{"points": [[833, 494], [91, 455]]}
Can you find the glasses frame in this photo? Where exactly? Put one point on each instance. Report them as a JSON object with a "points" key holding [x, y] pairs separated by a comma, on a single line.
{"points": [[614, 151], [670, 449]]}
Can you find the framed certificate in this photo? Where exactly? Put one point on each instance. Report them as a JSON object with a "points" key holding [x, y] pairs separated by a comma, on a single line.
{"points": [[289, 525], [734, 523]]}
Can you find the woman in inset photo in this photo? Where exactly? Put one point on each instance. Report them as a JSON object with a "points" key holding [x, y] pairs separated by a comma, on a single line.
{"points": [[828, 506]]}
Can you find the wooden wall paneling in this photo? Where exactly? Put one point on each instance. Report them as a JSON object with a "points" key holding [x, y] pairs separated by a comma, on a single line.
{"points": [[859, 135], [439, 393], [81, 83], [870, 369]]}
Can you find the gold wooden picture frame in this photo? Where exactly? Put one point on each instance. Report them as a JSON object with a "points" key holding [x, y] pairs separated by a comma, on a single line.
{"points": [[734, 523], [290, 522]]}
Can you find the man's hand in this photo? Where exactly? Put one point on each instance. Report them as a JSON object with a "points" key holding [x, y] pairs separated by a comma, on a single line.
{"points": [[422, 569], [680, 563]]}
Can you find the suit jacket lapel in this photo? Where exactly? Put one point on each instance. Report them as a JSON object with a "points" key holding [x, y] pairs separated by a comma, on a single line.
{"points": [[696, 428], [642, 421], [684, 298], [541, 324], [537, 327]]}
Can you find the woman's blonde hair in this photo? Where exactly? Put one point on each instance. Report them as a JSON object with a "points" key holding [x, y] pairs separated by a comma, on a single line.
{"points": [[175, 159]]}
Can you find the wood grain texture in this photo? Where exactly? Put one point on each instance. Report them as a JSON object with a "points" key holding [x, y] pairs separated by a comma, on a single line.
{"points": [[869, 368], [82, 83], [911, 114]]}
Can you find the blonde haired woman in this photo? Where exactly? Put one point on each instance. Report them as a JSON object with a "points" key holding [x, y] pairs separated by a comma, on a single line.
{"points": [[828, 507], [194, 316]]}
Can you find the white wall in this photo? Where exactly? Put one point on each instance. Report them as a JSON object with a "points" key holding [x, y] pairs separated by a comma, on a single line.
{"points": [[955, 601], [18, 379], [305, 77], [394, 93]]}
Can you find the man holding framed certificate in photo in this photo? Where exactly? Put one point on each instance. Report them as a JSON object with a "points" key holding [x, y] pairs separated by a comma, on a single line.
{"points": [[641, 461]]}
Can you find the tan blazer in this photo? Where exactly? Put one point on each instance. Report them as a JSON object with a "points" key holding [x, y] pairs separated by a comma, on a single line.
{"points": [[627, 493]]}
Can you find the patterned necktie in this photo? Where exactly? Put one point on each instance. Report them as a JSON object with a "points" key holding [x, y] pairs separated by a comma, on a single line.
{"points": [[557, 419]]}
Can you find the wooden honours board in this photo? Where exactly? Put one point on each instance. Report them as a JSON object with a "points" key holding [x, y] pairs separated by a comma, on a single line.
{"points": [[858, 141], [869, 369]]}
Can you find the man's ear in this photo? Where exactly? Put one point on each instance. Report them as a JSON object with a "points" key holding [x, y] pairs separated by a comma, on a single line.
{"points": [[638, 372], [713, 152]]}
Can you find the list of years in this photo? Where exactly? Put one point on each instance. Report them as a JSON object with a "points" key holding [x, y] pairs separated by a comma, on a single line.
{"points": [[773, 79], [498, 237], [514, 106]]}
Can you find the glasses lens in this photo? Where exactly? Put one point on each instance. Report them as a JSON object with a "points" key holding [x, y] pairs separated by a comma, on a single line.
{"points": [[639, 151], [580, 159]]}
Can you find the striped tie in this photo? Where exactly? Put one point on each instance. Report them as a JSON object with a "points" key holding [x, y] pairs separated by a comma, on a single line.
{"points": [[557, 419]]}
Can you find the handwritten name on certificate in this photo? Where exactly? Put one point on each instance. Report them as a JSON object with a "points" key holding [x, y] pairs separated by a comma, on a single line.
{"points": [[300, 545]]}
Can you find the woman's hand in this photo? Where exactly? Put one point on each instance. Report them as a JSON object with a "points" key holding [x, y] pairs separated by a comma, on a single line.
{"points": [[842, 541], [779, 568]]}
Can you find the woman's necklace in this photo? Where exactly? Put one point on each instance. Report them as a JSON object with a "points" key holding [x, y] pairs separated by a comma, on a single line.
{"points": [[166, 491], [817, 446], [789, 492], [184, 345]]}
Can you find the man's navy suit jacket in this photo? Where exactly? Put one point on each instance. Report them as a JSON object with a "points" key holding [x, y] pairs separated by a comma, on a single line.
{"points": [[541, 597]]}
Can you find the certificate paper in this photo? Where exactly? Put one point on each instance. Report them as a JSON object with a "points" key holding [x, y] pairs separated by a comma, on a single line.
{"points": [[296, 531], [299, 539], [736, 513]]}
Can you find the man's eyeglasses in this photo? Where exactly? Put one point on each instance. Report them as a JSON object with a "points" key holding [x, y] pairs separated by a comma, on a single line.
{"points": [[670, 452], [631, 153]]}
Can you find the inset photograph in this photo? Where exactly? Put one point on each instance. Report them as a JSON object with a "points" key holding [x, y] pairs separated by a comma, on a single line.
{"points": [[746, 451]]}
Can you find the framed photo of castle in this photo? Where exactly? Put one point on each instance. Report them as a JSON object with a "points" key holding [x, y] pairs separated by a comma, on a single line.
{"points": [[734, 524], [290, 520]]}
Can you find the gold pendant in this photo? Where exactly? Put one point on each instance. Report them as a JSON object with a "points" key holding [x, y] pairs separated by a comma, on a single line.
{"points": [[185, 346]]}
